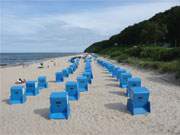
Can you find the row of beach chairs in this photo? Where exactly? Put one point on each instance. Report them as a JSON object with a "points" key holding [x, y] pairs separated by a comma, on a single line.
{"points": [[138, 96], [19, 93], [59, 101]]}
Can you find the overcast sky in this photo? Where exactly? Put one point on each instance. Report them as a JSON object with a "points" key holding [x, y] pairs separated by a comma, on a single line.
{"points": [[69, 25]]}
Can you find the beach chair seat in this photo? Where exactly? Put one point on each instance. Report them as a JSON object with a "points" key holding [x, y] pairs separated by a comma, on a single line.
{"points": [[132, 82], [17, 95], [138, 102], [59, 105], [72, 90], [31, 88], [82, 83], [42, 82], [59, 76], [124, 79]]}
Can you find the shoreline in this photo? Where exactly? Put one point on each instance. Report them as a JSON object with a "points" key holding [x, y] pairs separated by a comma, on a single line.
{"points": [[35, 61], [28, 63]]}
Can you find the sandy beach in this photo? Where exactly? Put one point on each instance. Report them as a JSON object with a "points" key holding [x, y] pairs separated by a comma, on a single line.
{"points": [[100, 111]]}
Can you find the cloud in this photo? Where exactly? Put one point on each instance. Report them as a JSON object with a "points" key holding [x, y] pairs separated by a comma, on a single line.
{"points": [[108, 21], [71, 31], [46, 34]]}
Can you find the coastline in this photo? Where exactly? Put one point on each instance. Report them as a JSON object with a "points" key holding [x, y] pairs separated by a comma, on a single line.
{"points": [[33, 61], [28, 63]]}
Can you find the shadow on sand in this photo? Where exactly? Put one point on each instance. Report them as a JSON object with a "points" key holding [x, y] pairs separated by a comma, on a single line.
{"points": [[113, 85], [119, 93], [105, 72], [52, 81], [111, 79], [107, 76], [5, 101], [117, 106], [43, 112]]}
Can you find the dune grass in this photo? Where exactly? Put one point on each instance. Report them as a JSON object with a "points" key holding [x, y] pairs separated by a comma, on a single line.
{"points": [[164, 60]]}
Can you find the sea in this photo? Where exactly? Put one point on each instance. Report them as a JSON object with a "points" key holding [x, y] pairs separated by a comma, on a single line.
{"points": [[12, 59]]}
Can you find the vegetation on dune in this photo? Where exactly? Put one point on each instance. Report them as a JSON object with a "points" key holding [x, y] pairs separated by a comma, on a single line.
{"points": [[153, 43], [158, 58]]}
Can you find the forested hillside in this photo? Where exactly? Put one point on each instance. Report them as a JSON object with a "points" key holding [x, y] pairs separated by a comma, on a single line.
{"points": [[153, 43], [161, 30]]}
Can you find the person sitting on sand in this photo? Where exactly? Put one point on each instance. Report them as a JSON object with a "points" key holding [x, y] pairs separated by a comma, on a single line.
{"points": [[41, 65], [20, 81]]}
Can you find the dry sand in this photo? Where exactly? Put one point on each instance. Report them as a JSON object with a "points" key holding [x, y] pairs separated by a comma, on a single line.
{"points": [[100, 111]]}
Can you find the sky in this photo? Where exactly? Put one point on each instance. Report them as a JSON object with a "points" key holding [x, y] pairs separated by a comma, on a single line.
{"points": [[69, 25]]}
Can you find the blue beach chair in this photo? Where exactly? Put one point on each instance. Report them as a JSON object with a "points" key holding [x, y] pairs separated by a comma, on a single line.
{"points": [[59, 76], [70, 70], [31, 88], [82, 83], [73, 67], [17, 95], [59, 105], [89, 76], [114, 73], [72, 90], [119, 72], [138, 103], [124, 79], [133, 82], [65, 72], [89, 70], [42, 82]]}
